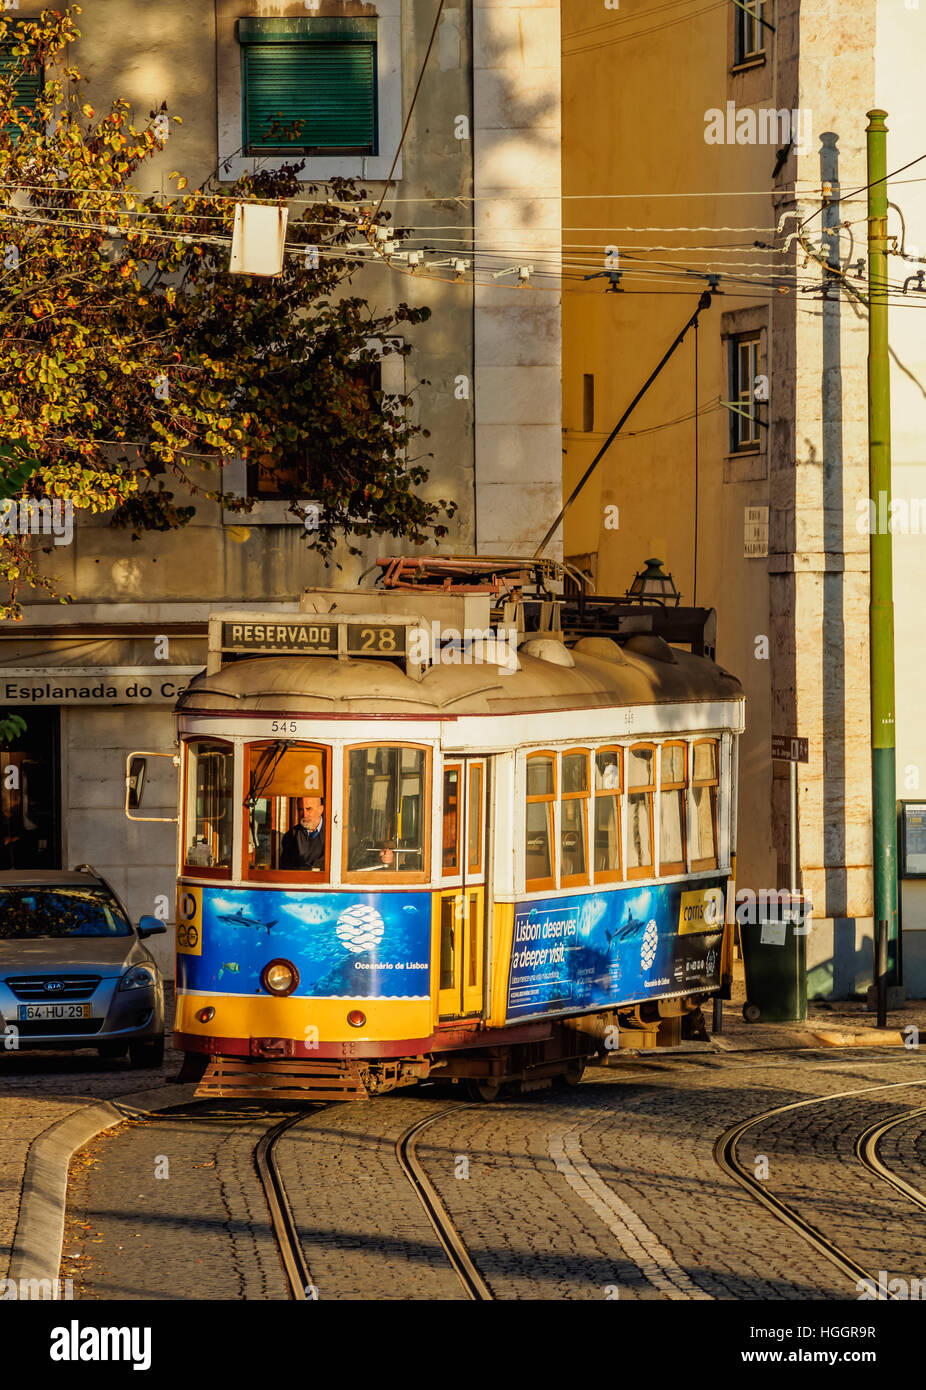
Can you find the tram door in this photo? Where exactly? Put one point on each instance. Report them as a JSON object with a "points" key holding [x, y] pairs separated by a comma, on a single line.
{"points": [[462, 907]]}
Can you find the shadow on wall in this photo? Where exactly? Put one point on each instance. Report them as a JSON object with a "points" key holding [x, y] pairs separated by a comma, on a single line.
{"points": [[844, 964], [840, 960]]}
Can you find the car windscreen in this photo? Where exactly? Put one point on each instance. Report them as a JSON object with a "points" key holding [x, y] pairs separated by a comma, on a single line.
{"points": [[31, 912]]}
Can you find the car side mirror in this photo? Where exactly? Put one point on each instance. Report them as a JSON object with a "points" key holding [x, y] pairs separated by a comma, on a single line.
{"points": [[151, 926]]}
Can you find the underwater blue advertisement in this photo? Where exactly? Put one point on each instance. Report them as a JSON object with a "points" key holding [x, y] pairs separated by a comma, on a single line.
{"points": [[615, 947], [344, 945]]}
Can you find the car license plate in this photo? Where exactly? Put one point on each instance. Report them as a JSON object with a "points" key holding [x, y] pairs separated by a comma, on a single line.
{"points": [[53, 1011]]}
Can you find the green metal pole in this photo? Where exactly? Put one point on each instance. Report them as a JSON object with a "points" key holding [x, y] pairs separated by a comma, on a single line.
{"points": [[881, 603]]}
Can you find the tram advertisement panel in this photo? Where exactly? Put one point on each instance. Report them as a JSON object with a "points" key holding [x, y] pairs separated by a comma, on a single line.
{"points": [[344, 945], [622, 946]]}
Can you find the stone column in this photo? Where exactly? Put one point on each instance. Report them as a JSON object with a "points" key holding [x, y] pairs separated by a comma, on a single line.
{"points": [[517, 333]]}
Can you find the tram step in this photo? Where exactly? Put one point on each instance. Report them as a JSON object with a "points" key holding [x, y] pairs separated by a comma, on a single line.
{"points": [[281, 1080]]}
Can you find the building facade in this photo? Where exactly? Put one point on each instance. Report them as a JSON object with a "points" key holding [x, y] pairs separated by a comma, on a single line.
{"points": [[479, 170], [717, 140]]}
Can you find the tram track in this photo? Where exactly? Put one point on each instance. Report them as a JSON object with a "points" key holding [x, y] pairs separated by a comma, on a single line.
{"points": [[285, 1229], [866, 1150], [475, 1286], [284, 1226], [282, 1221]]}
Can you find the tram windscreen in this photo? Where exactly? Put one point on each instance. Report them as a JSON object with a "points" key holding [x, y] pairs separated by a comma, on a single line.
{"points": [[286, 802], [386, 809], [208, 810]]}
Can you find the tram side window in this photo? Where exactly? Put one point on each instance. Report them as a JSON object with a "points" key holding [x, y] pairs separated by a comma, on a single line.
{"points": [[673, 795], [704, 785], [607, 814], [451, 828], [541, 796], [640, 789], [387, 810], [208, 805], [475, 818], [574, 819], [286, 808]]}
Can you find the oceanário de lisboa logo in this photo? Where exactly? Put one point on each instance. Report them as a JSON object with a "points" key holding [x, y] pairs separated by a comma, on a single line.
{"points": [[648, 945], [359, 928]]}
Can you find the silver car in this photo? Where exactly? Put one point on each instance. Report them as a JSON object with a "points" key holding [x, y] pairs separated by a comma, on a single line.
{"points": [[74, 972]]}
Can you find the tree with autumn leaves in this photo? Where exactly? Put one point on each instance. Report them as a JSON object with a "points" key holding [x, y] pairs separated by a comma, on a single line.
{"points": [[132, 359]]}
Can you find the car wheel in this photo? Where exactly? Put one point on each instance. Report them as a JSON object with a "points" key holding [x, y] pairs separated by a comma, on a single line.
{"points": [[111, 1050], [752, 1013], [147, 1054]]}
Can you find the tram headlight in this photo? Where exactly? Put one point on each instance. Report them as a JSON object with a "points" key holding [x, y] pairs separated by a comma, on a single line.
{"points": [[356, 1019], [206, 1015], [279, 977]]}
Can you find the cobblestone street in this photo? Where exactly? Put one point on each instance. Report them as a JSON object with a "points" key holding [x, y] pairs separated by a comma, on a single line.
{"points": [[608, 1190]]}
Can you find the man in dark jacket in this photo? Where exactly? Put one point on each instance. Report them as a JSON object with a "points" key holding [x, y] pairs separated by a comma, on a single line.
{"points": [[303, 845]]}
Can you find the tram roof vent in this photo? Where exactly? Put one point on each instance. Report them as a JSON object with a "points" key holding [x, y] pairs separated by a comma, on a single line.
{"points": [[652, 647], [604, 648], [548, 649]]}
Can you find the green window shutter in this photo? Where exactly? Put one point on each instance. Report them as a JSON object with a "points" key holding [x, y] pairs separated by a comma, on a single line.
{"points": [[326, 89], [27, 85]]}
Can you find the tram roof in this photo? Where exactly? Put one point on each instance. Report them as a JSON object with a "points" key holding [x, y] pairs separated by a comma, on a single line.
{"points": [[319, 685]]}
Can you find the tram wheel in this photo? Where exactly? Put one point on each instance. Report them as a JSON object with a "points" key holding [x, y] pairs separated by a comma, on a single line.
{"points": [[479, 1088], [752, 1013]]}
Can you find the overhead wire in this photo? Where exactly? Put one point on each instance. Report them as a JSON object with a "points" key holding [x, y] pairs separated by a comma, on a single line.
{"points": [[440, 10], [643, 33], [359, 256], [622, 19]]}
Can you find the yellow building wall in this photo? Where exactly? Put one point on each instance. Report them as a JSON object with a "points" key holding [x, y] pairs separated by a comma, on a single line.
{"points": [[636, 86]]}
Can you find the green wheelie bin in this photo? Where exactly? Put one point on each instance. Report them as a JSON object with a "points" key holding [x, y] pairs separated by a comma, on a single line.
{"points": [[775, 962]]}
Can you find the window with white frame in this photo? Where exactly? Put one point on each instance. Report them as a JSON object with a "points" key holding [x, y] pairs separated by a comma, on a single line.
{"points": [[277, 483], [308, 86], [326, 90]]}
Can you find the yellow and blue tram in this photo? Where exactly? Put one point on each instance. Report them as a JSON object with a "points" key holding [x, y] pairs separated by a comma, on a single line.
{"points": [[427, 830]]}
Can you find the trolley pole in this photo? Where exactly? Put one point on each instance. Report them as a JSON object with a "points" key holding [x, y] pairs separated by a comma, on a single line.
{"points": [[881, 603]]}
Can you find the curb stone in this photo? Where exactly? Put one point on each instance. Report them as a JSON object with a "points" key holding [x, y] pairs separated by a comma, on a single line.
{"points": [[862, 1037], [37, 1243]]}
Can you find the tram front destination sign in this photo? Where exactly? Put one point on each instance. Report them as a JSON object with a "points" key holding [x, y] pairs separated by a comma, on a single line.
{"points": [[299, 637]]}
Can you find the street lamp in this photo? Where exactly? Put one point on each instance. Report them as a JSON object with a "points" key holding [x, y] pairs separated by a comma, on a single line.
{"points": [[653, 585]]}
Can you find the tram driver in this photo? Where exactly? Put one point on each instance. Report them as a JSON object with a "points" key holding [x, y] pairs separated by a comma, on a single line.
{"points": [[303, 845]]}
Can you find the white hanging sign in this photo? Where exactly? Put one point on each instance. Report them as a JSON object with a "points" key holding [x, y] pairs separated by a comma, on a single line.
{"points": [[258, 240]]}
